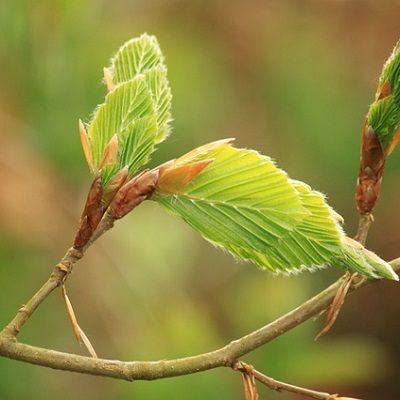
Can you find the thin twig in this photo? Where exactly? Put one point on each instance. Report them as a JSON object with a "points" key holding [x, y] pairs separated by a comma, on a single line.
{"points": [[148, 370], [57, 278], [364, 223], [279, 386]]}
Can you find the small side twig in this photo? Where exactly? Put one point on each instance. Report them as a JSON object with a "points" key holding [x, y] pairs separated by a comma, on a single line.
{"points": [[279, 386], [364, 224]]}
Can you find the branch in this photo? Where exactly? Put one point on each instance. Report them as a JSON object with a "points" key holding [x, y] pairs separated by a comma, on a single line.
{"points": [[226, 356], [57, 278]]}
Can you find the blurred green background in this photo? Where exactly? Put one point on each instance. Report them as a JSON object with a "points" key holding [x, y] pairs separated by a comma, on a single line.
{"points": [[292, 79]]}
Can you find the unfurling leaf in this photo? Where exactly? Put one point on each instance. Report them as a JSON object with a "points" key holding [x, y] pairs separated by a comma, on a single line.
{"points": [[243, 203], [380, 134], [143, 56], [135, 115]]}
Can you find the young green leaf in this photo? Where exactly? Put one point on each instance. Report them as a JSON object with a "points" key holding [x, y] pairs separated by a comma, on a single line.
{"points": [[136, 113], [245, 204], [384, 113], [142, 56], [122, 114], [137, 56]]}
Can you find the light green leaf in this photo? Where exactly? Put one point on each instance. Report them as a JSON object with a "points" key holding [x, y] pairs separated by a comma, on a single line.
{"points": [[142, 56], [137, 56], [384, 118], [245, 204], [384, 113], [120, 115], [136, 110]]}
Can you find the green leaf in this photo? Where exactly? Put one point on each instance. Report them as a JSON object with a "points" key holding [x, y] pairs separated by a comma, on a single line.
{"points": [[121, 113], [136, 110], [391, 71], [384, 113], [243, 203], [137, 56], [162, 97], [143, 56], [384, 118]]}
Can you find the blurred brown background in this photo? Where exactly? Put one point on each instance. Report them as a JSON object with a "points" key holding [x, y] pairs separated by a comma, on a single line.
{"points": [[292, 79]]}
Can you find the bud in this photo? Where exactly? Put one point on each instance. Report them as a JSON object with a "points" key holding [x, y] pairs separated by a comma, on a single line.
{"points": [[110, 155], [372, 166], [176, 174], [92, 213], [173, 179], [86, 145], [133, 193]]}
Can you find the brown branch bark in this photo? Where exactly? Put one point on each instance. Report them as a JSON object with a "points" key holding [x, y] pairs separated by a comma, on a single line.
{"points": [[226, 356]]}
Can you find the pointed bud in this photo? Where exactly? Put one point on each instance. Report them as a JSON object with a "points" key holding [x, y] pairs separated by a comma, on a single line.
{"points": [[107, 77], [372, 165], [114, 185], [176, 178], [133, 193], [110, 155], [198, 151], [92, 213], [87, 151]]}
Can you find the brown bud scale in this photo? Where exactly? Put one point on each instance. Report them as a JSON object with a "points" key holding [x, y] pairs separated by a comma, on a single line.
{"points": [[372, 166], [91, 215], [133, 193]]}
